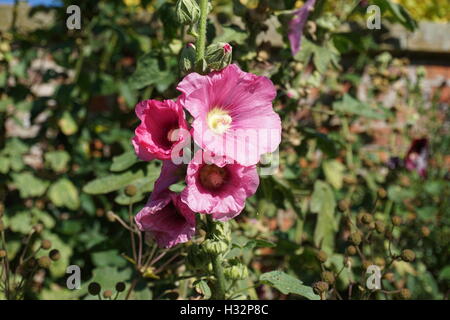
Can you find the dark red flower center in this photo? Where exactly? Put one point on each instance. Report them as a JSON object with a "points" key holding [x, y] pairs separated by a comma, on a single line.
{"points": [[213, 177]]}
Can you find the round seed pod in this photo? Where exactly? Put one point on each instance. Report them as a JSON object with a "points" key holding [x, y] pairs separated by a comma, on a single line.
{"points": [[94, 288], [2, 254], [107, 294], [54, 255], [356, 238], [131, 190], [328, 277], [351, 250], [408, 255], [396, 221], [379, 226], [405, 294], [320, 287], [46, 244], [44, 262], [321, 256], [120, 286]]}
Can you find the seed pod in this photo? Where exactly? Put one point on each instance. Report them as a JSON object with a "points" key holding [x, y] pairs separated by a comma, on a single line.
{"points": [[320, 287], [44, 262], [351, 250], [408, 255], [328, 277], [396, 220], [356, 238], [379, 226], [38, 228], [187, 11], [367, 264], [131, 190], [55, 255], [120, 286], [425, 231], [218, 55], [405, 294], [46, 244], [389, 276], [2, 254], [366, 218], [322, 256], [94, 288], [107, 294]]}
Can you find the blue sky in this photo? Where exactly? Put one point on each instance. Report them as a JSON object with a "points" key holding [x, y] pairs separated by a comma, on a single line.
{"points": [[32, 2]]}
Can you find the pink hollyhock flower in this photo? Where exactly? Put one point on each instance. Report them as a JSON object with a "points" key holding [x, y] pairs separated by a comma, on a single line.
{"points": [[218, 186], [233, 114], [155, 137], [167, 219], [297, 24], [417, 157]]}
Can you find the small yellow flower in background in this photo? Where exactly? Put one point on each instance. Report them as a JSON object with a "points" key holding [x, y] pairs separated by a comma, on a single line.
{"points": [[251, 4], [437, 10], [132, 3]]}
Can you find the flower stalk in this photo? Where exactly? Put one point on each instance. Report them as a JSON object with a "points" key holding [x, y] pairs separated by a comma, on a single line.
{"points": [[201, 40]]}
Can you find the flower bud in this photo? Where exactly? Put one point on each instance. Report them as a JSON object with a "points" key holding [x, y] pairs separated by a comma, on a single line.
{"points": [[320, 287], [187, 11], [215, 247], [94, 288], [187, 58], [408, 255], [322, 256], [328, 277], [236, 272], [218, 55]]}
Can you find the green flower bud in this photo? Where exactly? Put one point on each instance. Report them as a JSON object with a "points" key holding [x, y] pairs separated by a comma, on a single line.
{"points": [[320, 287], [328, 277], [356, 238], [218, 55], [187, 58], [236, 272], [222, 231], [322, 256], [408, 255], [187, 11], [215, 247]]}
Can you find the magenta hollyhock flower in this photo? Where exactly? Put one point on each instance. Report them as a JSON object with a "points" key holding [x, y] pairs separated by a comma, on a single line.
{"points": [[297, 24], [167, 219], [218, 186], [417, 157], [159, 130], [233, 114]]}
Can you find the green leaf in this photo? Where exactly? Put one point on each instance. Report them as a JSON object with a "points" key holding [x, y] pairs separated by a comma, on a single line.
{"points": [[68, 124], [287, 284], [29, 185], [259, 243], [352, 106], [201, 286], [57, 160], [399, 13], [334, 170], [323, 203], [148, 72], [124, 161], [112, 182], [63, 193], [232, 34]]}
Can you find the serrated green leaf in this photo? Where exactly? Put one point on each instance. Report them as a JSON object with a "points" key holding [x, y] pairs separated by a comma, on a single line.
{"points": [[29, 185], [57, 160], [352, 106]]}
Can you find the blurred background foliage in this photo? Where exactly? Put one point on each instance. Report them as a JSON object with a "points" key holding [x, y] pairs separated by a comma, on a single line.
{"points": [[350, 114]]}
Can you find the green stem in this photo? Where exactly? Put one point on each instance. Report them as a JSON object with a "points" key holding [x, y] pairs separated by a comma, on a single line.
{"points": [[201, 41], [219, 293]]}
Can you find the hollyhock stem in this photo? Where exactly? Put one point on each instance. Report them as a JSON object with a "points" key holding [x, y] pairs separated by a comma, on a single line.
{"points": [[219, 293], [201, 41]]}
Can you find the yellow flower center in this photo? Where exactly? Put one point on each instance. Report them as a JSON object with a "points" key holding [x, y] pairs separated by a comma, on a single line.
{"points": [[218, 120]]}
